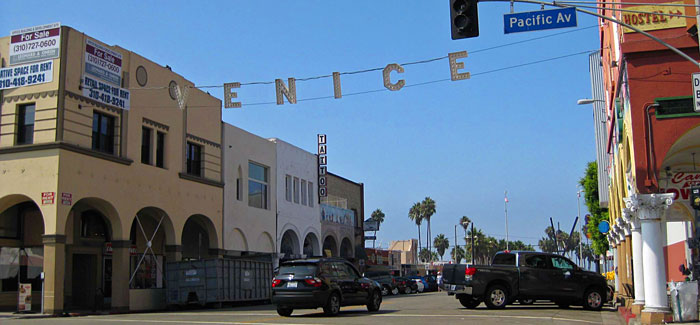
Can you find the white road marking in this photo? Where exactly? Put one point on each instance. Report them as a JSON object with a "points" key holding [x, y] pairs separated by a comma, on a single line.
{"points": [[490, 316], [113, 320]]}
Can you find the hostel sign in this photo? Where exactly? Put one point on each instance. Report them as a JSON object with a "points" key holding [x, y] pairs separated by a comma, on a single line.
{"points": [[650, 18], [539, 20]]}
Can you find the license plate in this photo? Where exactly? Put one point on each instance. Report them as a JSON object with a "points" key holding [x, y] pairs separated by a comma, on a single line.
{"points": [[291, 284]]}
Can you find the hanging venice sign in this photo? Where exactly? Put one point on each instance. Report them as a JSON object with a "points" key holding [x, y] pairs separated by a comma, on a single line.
{"points": [[289, 90]]}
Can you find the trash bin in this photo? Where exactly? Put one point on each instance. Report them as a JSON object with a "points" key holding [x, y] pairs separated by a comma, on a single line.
{"points": [[684, 301]]}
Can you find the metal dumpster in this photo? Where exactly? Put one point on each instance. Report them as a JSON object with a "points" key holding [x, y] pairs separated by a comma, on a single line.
{"points": [[216, 281]]}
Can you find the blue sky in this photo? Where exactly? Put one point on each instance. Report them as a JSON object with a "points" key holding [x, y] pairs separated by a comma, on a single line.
{"points": [[462, 143]]}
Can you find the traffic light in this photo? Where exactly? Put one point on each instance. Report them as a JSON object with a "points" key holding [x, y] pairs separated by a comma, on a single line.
{"points": [[695, 198], [464, 18]]}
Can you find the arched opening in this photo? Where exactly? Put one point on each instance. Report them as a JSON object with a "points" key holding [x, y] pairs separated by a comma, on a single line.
{"points": [[21, 250], [198, 236], [89, 232], [238, 240], [265, 243], [311, 245], [346, 248], [150, 232], [330, 248], [290, 244]]}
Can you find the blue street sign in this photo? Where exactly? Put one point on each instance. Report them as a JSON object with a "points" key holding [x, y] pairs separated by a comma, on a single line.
{"points": [[603, 227], [539, 20]]}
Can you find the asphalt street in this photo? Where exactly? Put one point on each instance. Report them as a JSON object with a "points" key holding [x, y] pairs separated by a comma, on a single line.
{"points": [[436, 307]]}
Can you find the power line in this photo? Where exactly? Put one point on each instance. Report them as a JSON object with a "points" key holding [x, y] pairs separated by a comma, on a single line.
{"points": [[637, 11]]}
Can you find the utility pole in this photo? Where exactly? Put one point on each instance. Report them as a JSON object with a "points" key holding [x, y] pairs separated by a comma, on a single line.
{"points": [[472, 243], [454, 256], [580, 239], [505, 205]]}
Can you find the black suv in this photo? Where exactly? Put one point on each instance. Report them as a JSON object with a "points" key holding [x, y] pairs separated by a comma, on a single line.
{"points": [[322, 282]]}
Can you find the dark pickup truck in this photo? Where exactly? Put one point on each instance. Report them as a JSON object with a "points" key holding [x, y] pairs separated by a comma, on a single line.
{"points": [[526, 276]]}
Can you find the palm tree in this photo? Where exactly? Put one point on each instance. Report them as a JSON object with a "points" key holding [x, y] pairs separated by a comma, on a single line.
{"points": [[427, 211], [464, 221], [441, 244], [377, 216], [425, 255], [415, 214], [457, 254]]}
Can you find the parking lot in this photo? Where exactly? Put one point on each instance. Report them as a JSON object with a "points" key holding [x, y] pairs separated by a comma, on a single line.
{"points": [[435, 307]]}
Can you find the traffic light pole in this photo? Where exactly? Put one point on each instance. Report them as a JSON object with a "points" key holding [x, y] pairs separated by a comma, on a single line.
{"points": [[555, 4]]}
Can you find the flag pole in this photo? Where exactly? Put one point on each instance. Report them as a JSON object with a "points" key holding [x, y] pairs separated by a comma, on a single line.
{"points": [[505, 204]]}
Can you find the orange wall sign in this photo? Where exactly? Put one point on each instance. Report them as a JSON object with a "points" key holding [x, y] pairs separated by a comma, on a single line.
{"points": [[650, 18]]}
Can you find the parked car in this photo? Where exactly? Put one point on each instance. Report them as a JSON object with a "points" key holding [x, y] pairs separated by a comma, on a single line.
{"points": [[387, 281], [406, 285], [527, 276], [420, 287], [432, 283], [322, 282], [423, 280]]}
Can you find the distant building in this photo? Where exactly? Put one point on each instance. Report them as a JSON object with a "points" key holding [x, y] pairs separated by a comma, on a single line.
{"points": [[342, 216], [408, 250]]}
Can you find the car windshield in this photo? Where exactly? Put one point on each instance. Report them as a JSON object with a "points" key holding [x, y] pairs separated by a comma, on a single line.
{"points": [[298, 269]]}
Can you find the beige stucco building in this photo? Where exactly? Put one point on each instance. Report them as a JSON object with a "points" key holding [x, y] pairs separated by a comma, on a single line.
{"points": [[97, 196]]}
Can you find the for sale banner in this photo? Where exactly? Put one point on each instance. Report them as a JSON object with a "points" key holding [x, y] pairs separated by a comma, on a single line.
{"points": [[26, 75], [35, 43], [103, 63]]}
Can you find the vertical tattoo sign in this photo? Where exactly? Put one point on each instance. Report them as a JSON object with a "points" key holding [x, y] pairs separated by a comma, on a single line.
{"points": [[322, 161]]}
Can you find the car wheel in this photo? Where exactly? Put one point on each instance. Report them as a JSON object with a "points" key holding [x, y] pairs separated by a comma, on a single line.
{"points": [[395, 291], [385, 290], [332, 306], [526, 301], [286, 312], [496, 297], [593, 299], [374, 301], [469, 301]]}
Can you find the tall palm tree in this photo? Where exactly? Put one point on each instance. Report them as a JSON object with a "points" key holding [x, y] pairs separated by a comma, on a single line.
{"points": [[441, 244], [415, 214], [464, 221], [427, 211], [458, 254], [378, 216]]}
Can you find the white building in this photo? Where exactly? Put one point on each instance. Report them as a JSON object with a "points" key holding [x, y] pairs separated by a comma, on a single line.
{"points": [[298, 212], [250, 192]]}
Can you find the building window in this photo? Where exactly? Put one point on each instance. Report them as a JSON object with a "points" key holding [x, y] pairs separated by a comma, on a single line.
{"points": [[194, 159], [257, 186], [25, 124], [103, 133], [239, 195], [288, 188], [145, 145], [93, 226], [303, 192], [160, 149], [296, 190], [311, 194]]}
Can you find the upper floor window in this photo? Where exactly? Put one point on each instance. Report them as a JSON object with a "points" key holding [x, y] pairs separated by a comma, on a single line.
{"points": [[160, 149], [194, 159], [103, 132], [288, 188], [311, 194], [303, 192], [296, 190], [146, 145], [25, 124], [257, 185]]}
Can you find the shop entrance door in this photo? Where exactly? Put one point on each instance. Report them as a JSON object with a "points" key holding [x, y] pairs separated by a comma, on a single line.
{"points": [[84, 280]]}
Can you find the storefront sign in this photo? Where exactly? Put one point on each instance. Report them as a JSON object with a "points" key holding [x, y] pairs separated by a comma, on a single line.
{"points": [[337, 215], [103, 63], [35, 43], [26, 75], [48, 198], [681, 183], [25, 297], [66, 198], [105, 93], [322, 161], [649, 19], [696, 91]]}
